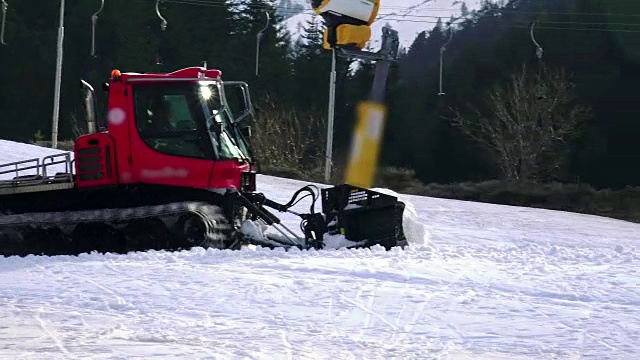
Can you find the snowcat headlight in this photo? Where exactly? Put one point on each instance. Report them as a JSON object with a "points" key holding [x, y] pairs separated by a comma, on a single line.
{"points": [[248, 181], [205, 92]]}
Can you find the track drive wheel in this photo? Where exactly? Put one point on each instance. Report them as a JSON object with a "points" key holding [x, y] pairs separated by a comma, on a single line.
{"points": [[192, 230]]}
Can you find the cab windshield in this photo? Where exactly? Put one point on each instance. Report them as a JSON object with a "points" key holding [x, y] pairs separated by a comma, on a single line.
{"points": [[186, 119]]}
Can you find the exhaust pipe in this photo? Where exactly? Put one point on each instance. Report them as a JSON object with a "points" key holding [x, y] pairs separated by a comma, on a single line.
{"points": [[90, 106]]}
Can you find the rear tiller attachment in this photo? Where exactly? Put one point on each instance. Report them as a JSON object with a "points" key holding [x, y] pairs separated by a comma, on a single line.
{"points": [[351, 217]]}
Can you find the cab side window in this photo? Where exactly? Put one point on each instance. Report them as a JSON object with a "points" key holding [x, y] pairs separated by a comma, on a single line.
{"points": [[165, 121]]}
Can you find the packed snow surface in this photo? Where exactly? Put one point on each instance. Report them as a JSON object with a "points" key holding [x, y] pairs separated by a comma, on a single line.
{"points": [[479, 281]]}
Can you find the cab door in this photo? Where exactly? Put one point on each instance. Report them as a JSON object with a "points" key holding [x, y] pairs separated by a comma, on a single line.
{"points": [[169, 140]]}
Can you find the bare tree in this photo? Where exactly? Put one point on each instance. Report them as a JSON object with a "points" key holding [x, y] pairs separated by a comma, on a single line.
{"points": [[285, 139], [528, 123]]}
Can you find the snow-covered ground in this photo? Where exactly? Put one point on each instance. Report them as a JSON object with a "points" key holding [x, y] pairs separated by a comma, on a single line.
{"points": [[491, 282]]}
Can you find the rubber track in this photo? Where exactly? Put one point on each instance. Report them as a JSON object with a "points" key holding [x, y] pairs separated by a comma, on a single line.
{"points": [[211, 214]]}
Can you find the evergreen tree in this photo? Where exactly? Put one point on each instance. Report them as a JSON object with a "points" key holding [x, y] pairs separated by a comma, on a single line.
{"points": [[464, 10], [311, 67], [247, 18]]}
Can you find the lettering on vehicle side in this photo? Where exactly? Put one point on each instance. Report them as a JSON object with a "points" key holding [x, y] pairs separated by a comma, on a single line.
{"points": [[166, 172]]}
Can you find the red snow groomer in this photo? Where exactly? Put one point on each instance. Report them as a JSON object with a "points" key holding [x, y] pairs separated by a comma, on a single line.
{"points": [[171, 167]]}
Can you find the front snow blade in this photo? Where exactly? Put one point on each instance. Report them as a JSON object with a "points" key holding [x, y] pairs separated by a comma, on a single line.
{"points": [[364, 216]]}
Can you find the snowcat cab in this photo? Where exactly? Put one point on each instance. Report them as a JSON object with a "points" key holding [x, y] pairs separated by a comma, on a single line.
{"points": [[171, 167]]}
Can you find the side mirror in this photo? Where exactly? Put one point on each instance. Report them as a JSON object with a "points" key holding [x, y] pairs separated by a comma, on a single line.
{"points": [[238, 99]]}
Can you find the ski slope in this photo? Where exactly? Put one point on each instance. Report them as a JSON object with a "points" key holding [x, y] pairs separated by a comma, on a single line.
{"points": [[479, 281]]}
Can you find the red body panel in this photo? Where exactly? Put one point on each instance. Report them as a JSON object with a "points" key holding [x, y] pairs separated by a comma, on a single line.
{"points": [[191, 72], [95, 161], [152, 167], [227, 175], [133, 161], [118, 116]]}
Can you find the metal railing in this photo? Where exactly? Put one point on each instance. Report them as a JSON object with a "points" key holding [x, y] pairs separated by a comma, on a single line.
{"points": [[38, 171]]}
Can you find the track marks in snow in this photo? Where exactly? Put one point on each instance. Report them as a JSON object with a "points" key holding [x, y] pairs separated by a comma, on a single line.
{"points": [[518, 299], [369, 312], [51, 333], [350, 304]]}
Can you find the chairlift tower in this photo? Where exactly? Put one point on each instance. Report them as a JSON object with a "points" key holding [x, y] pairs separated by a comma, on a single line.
{"points": [[58, 79]]}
